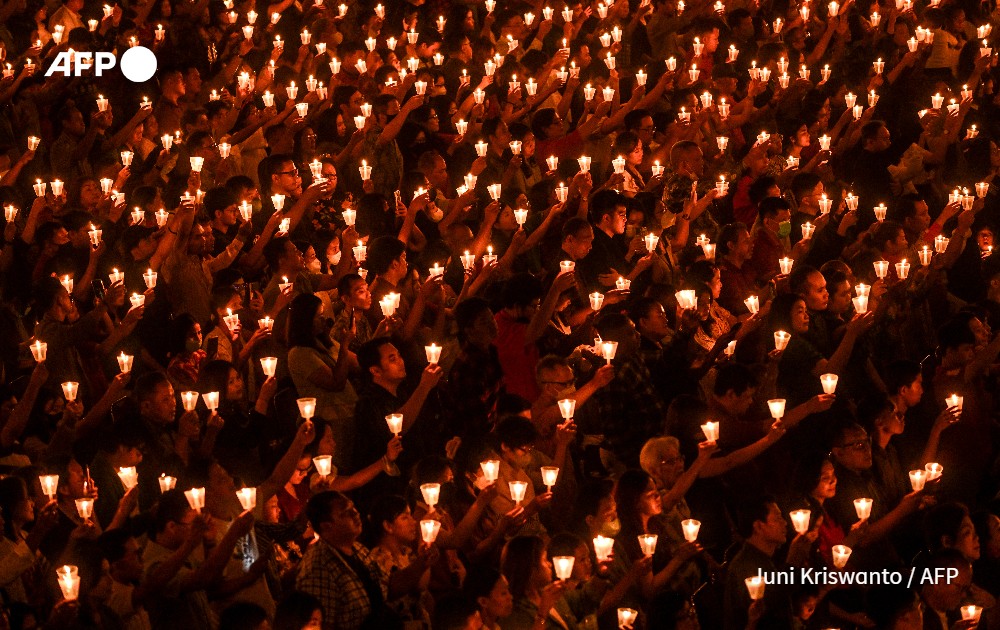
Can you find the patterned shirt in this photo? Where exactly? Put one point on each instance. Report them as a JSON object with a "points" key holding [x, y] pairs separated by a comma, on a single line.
{"points": [[326, 575], [630, 410]]}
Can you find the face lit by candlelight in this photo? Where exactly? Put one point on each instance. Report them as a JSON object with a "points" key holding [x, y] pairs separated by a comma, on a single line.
{"points": [[815, 293], [774, 529], [826, 487], [840, 298], [854, 449], [799, 317], [650, 502]]}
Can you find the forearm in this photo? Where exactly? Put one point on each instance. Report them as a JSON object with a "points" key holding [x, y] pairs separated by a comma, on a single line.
{"points": [[411, 408]]}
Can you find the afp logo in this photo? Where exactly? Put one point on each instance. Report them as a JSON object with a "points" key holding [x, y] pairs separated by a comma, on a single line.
{"points": [[138, 64]]}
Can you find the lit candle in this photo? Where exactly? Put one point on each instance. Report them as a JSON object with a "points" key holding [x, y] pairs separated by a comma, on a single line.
{"points": [[623, 284], [829, 383], [38, 350], [651, 240], [129, 477], [69, 582], [954, 402], [841, 553], [596, 301], [324, 464], [687, 299], [195, 498], [627, 616], [647, 542], [189, 400], [603, 547], [781, 339], [917, 479], [563, 566], [934, 470], [755, 586], [800, 520], [50, 485], [149, 278], [608, 349], [247, 497], [395, 422], [690, 527], [753, 304], [567, 407], [137, 300], [70, 389], [777, 408], [902, 269], [307, 407], [549, 476], [268, 364], [517, 490], [166, 482], [85, 508], [711, 431], [125, 362], [860, 304], [429, 530], [881, 268], [211, 400], [971, 613], [863, 507], [491, 469], [433, 353]]}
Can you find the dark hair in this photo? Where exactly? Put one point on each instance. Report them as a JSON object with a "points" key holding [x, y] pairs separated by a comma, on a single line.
{"points": [[573, 227], [753, 510], [733, 377], [147, 384], [799, 278], [301, 313], [12, 492], [382, 252], [899, 374], [943, 520], [630, 487], [218, 199], [274, 250], [871, 407], [370, 354], [242, 616], [480, 582], [214, 377], [730, 233], [771, 206], [385, 509], [521, 290], [808, 472], [516, 432], [321, 505], [605, 202], [467, 312], [781, 312], [452, 612], [521, 557], [295, 611], [172, 507], [759, 187], [592, 493], [955, 333]]}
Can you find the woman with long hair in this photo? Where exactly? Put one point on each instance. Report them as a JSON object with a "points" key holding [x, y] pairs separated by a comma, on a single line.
{"points": [[319, 367], [640, 508], [238, 442], [184, 354], [538, 600]]}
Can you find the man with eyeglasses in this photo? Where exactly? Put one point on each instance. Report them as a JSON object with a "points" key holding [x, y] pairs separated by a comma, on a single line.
{"points": [[852, 461]]}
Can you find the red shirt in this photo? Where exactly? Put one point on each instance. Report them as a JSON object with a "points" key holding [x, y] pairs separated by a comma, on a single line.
{"points": [[517, 358]]}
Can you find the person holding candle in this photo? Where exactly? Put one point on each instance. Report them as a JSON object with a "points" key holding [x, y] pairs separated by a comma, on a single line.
{"points": [[21, 546], [770, 239], [765, 531], [118, 450], [319, 368], [816, 483], [517, 436], [476, 379], [641, 511], [557, 381], [402, 557], [610, 256], [737, 276], [630, 407], [227, 304], [177, 533], [687, 166], [237, 443], [339, 570], [384, 393], [852, 459], [962, 371], [538, 599], [801, 364]]}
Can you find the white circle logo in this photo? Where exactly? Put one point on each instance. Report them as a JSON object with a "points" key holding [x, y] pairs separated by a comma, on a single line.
{"points": [[138, 64]]}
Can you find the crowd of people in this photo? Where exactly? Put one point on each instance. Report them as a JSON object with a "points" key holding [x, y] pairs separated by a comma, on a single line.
{"points": [[506, 315]]}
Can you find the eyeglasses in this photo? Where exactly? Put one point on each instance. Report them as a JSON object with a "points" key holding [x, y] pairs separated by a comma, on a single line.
{"points": [[860, 445], [571, 381], [294, 172]]}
